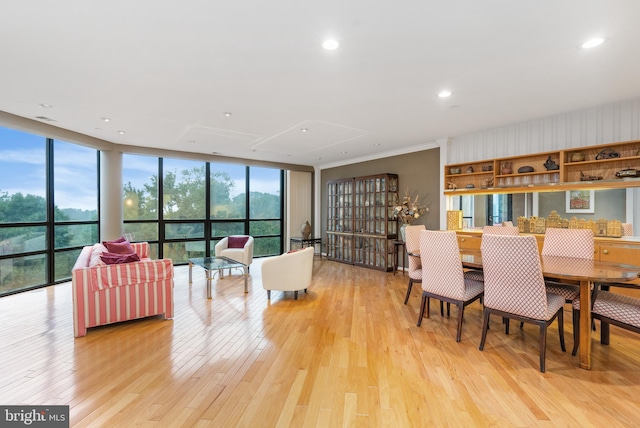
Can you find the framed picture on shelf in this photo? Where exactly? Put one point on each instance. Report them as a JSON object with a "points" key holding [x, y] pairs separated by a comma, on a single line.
{"points": [[580, 201]]}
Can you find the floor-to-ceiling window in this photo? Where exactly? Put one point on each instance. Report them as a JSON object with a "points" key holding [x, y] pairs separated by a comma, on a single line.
{"points": [[265, 216], [48, 208], [140, 205], [183, 209], [200, 204]]}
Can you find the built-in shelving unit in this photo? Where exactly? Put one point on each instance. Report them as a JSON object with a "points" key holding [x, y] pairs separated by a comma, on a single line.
{"points": [[592, 167], [360, 223]]}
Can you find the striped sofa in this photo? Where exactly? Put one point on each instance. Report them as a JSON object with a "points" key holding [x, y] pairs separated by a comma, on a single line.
{"points": [[105, 294]]}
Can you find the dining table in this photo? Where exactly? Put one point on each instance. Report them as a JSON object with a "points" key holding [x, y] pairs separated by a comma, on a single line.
{"points": [[571, 270]]}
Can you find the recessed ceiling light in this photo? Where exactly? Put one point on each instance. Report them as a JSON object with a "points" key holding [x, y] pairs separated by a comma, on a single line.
{"points": [[105, 119], [121, 132], [330, 44], [45, 105], [444, 93], [344, 153], [592, 43], [192, 141], [227, 114], [376, 144], [304, 129]]}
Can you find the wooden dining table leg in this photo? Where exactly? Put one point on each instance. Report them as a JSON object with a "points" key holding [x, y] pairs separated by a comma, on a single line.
{"points": [[585, 325]]}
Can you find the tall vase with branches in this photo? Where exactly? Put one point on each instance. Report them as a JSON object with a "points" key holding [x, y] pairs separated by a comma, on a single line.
{"points": [[408, 210]]}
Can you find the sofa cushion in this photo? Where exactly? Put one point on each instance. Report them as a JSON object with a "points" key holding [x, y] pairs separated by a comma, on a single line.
{"points": [[115, 258], [96, 252], [237, 241], [123, 247]]}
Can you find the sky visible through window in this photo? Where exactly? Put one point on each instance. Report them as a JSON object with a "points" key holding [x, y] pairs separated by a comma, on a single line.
{"points": [[23, 164]]}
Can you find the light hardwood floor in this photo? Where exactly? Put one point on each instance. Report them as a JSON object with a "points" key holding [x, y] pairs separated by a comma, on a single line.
{"points": [[346, 354]]}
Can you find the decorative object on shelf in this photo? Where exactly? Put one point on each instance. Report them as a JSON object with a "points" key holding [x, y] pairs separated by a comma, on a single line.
{"points": [[614, 228], [524, 169], [506, 168], [486, 183], [454, 170], [487, 168], [551, 165], [306, 230], [553, 219], [585, 177], [470, 186], [577, 157], [454, 219], [409, 210], [580, 201], [601, 227], [451, 185], [469, 169], [607, 154], [628, 172]]}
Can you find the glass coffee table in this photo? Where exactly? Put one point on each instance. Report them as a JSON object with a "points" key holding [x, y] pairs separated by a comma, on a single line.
{"points": [[213, 265]]}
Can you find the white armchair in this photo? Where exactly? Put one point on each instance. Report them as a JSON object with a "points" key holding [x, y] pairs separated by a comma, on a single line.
{"points": [[236, 247], [288, 272]]}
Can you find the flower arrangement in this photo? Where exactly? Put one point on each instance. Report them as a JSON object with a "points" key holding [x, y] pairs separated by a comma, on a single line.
{"points": [[409, 210]]}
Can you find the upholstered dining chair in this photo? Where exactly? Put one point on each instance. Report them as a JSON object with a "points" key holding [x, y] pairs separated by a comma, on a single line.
{"points": [[610, 308], [514, 287], [442, 275], [500, 230], [577, 243], [412, 237]]}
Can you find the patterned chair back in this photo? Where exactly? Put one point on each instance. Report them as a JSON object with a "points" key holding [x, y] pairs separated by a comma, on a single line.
{"points": [[576, 243], [441, 264], [412, 236], [513, 280], [500, 230]]}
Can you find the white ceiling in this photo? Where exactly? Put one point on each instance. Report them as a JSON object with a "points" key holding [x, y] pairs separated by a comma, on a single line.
{"points": [[166, 71]]}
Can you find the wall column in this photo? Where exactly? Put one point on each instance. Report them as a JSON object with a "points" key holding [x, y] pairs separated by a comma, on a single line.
{"points": [[110, 195], [444, 206]]}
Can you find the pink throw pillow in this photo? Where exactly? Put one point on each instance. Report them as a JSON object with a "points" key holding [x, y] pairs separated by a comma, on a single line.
{"points": [[96, 252], [115, 258], [123, 247], [237, 241]]}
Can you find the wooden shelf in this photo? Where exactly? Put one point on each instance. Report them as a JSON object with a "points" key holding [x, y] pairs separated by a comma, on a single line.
{"points": [[568, 176]]}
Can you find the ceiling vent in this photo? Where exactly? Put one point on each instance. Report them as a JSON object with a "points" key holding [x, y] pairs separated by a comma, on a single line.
{"points": [[48, 119]]}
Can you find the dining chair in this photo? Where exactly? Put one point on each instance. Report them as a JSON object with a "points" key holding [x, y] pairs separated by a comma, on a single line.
{"points": [[514, 287], [412, 242], [610, 308], [442, 275], [500, 230], [577, 243]]}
